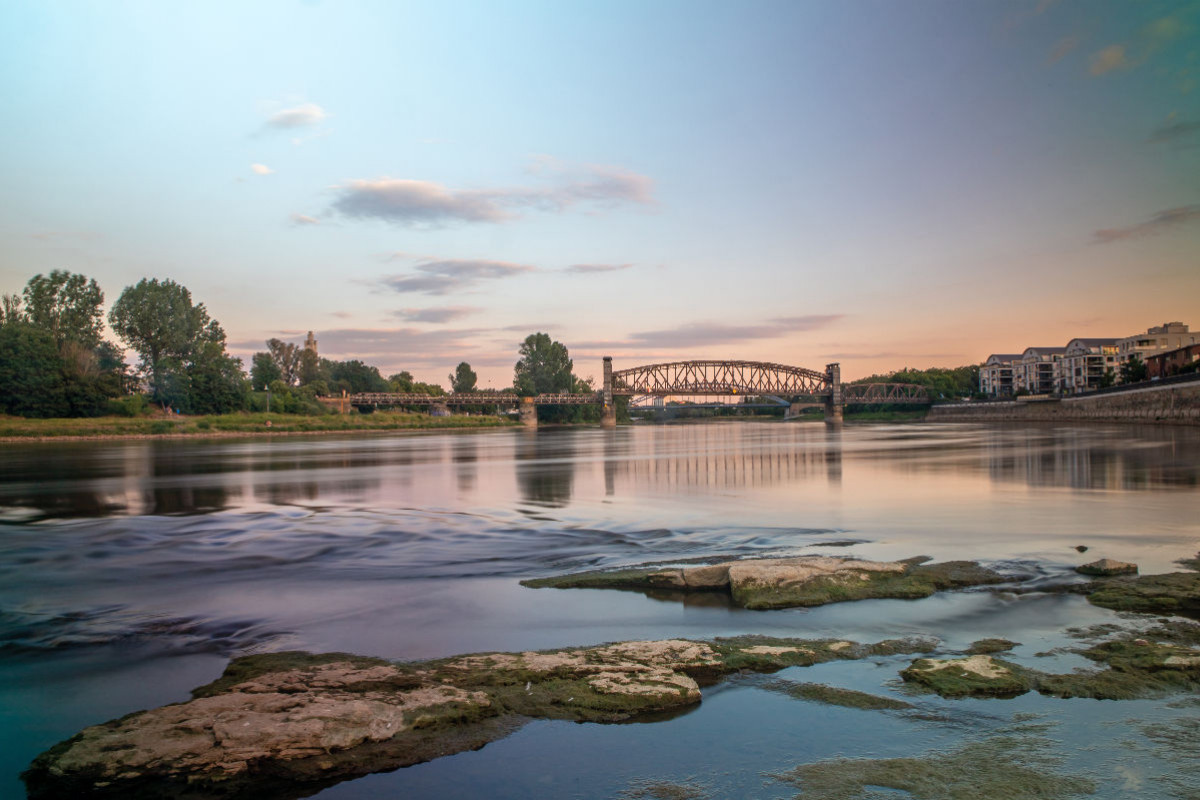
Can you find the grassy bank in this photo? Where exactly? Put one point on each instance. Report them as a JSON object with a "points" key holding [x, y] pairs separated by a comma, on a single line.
{"points": [[240, 423]]}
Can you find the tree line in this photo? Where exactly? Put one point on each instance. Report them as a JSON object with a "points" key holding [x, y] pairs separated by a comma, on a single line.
{"points": [[55, 361]]}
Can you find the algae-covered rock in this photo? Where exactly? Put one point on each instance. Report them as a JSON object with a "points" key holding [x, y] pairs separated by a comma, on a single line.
{"points": [[1172, 593], [764, 583], [836, 696], [970, 676], [1013, 767], [304, 720], [987, 646], [1106, 567]]}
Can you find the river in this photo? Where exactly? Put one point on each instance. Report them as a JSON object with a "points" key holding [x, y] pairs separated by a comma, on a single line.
{"points": [[131, 571]]}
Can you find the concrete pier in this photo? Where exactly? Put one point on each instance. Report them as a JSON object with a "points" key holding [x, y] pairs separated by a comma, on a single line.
{"points": [[835, 404], [528, 412], [608, 412]]}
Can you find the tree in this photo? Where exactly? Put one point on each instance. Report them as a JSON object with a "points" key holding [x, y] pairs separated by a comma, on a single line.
{"points": [[463, 379], [158, 321], [66, 305], [1108, 378], [287, 357], [355, 376], [310, 368], [1134, 370], [10, 309], [263, 370], [31, 382], [545, 367]]}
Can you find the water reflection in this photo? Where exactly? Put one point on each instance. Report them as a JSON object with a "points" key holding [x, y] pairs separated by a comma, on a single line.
{"points": [[546, 467]]}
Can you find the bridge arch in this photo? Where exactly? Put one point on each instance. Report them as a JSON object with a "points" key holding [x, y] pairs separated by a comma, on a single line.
{"points": [[721, 378]]}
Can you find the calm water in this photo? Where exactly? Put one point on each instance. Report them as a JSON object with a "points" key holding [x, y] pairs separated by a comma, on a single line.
{"points": [[131, 571]]}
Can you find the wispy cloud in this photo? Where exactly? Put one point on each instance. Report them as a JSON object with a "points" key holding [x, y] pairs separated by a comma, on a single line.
{"points": [[436, 315], [300, 116], [1161, 222], [1152, 38], [585, 269], [1109, 59], [303, 219], [706, 334], [444, 277], [409, 202], [261, 169], [1176, 131], [1064, 47]]}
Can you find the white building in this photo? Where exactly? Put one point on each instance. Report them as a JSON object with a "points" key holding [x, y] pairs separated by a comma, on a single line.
{"points": [[1085, 363], [1040, 370], [1159, 339], [997, 375]]}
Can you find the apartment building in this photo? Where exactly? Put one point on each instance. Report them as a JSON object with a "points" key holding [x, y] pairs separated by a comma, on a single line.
{"points": [[1173, 362], [997, 375], [1085, 363], [1159, 339], [1041, 370]]}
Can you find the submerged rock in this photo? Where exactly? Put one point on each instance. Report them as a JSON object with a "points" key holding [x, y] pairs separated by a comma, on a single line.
{"points": [[763, 583], [1107, 566], [307, 721]]}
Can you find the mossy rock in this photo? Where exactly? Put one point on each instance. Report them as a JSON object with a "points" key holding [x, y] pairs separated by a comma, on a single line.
{"points": [[988, 646], [1172, 593], [971, 676], [836, 696]]}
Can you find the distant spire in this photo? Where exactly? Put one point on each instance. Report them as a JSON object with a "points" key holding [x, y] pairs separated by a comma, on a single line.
{"points": [[310, 344]]}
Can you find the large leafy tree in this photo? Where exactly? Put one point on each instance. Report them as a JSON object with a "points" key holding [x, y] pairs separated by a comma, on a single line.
{"points": [[158, 320], [545, 366], [264, 371], [463, 379], [287, 357], [31, 381], [67, 306], [182, 348]]}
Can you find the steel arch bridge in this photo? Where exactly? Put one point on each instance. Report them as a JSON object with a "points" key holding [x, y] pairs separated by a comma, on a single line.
{"points": [[719, 378], [758, 379]]}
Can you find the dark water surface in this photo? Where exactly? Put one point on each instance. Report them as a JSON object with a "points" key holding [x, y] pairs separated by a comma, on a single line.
{"points": [[131, 571]]}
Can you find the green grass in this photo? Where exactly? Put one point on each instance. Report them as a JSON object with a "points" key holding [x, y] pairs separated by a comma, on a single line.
{"points": [[242, 422]]}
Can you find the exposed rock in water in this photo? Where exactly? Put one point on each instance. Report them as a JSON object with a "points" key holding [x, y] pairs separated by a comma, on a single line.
{"points": [[307, 721], [764, 583], [1172, 593], [987, 646], [1106, 567], [1134, 668], [970, 676]]}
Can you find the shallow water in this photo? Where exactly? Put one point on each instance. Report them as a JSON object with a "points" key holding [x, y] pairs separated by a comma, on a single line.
{"points": [[131, 571]]}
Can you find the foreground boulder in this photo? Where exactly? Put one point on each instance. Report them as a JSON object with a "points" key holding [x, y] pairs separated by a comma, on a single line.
{"points": [[288, 724], [764, 583], [1107, 566]]}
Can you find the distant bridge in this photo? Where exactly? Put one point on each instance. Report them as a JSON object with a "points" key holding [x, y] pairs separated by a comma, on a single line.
{"points": [[796, 387]]}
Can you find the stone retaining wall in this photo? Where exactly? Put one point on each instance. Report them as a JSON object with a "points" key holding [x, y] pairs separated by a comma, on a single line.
{"points": [[1171, 404]]}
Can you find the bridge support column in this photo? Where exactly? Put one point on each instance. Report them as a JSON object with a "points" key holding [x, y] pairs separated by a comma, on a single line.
{"points": [[834, 404], [528, 412], [608, 412]]}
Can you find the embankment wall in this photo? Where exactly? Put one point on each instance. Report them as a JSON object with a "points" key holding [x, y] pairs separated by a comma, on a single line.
{"points": [[1169, 404]]}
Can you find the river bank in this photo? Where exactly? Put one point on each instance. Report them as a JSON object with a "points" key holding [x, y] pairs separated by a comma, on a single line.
{"points": [[20, 429]]}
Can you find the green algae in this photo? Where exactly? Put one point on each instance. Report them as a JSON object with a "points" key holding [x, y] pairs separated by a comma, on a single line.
{"points": [[247, 668], [954, 678], [1014, 767], [836, 696], [661, 790], [987, 646], [1171, 593]]}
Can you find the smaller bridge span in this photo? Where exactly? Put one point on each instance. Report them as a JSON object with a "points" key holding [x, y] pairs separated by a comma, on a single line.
{"points": [[719, 378]]}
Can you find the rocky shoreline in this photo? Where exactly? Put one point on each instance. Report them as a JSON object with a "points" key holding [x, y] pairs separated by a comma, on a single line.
{"points": [[287, 724]]}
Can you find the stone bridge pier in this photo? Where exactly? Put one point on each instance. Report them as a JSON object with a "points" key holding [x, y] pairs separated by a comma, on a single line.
{"points": [[528, 412], [835, 404], [608, 412]]}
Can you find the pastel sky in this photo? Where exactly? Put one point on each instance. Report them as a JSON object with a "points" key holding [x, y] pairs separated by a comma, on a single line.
{"points": [[879, 183]]}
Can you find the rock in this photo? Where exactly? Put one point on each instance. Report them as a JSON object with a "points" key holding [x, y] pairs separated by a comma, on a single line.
{"points": [[1106, 567], [312, 720], [763, 583], [970, 676], [1082, 548], [1172, 593]]}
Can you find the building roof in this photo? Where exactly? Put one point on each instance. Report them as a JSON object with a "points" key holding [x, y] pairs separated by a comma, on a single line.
{"points": [[1002, 357], [1044, 351], [1094, 342]]}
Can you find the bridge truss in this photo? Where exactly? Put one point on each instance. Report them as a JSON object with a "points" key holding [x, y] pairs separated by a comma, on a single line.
{"points": [[720, 379]]}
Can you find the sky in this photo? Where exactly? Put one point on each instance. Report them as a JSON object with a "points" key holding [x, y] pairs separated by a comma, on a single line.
{"points": [[876, 183]]}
